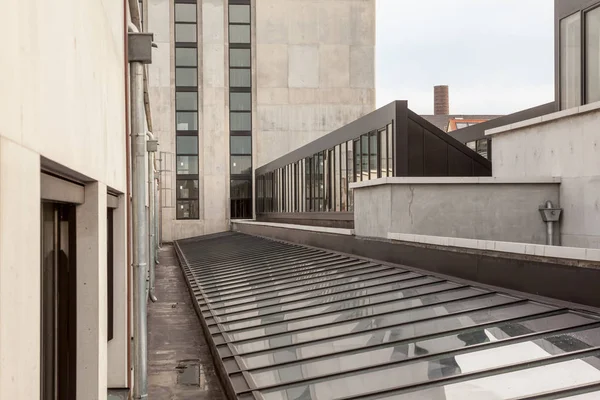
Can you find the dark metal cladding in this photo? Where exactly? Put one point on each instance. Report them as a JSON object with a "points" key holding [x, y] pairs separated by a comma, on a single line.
{"points": [[290, 322]]}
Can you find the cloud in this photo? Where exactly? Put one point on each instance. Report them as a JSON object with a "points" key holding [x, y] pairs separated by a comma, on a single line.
{"points": [[497, 56]]}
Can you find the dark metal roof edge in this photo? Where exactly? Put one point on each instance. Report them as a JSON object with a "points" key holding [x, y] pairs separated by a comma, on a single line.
{"points": [[353, 130]]}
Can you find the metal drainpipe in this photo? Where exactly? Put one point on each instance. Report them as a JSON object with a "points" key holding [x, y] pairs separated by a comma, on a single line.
{"points": [[151, 215], [550, 215], [140, 234]]}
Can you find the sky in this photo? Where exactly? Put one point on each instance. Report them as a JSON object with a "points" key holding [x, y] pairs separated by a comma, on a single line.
{"points": [[497, 56]]}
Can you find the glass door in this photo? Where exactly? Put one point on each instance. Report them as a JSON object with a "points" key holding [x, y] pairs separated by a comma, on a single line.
{"points": [[58, 294]]}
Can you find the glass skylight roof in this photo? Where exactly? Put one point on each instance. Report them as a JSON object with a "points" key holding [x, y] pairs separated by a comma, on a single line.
{"points": [[290, 322]]}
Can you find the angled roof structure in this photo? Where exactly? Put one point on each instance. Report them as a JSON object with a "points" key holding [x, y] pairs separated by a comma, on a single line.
{"points": [[289, 322]]}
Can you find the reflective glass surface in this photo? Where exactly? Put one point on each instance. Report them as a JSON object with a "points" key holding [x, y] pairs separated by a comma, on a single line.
{"points": [[330, 299], [186, 33], [239, 13], [348, 304], [185, 12], [355, 284], [186, 77], [186, 57], [239, 57], [240, 78], [241, 145], [525, 382], [239, 33], [315, 325], [187, 144], [364, 323], [187, 165], [241, 165], [291, 288], [527, 350]]}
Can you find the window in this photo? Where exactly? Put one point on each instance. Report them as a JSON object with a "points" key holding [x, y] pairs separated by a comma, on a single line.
{"points": [[186, 57], [373, 155], [241, 165], [241, 145], [592, 44], [240, 117], [570, 61], [186, 110]]}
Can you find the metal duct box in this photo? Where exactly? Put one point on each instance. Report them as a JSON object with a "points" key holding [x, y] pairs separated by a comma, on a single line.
{"points": [[140, 47]]}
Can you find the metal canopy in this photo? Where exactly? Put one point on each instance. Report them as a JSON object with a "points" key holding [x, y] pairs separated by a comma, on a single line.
{"points": [[288, 322]]}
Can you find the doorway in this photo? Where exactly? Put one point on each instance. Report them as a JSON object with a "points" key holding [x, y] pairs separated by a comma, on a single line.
{"points": [[58, 302]]}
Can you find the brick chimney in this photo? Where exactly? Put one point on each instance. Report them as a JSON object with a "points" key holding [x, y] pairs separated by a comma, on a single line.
{"points": [[441, 100]]}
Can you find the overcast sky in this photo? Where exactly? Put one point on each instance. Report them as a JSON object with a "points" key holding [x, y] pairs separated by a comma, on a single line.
{"points": [[496, 55]]}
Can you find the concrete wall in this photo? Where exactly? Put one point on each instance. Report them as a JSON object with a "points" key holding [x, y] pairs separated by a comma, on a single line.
{"points": [[62, 98], [213, 136], [473, 208], [564, 144], [315, 71]]}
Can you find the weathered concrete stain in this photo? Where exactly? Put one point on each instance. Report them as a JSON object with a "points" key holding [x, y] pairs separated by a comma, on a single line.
{"points": [[180, 365]]}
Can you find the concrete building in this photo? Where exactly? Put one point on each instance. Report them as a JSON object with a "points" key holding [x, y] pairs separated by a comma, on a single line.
{"points": [[236, 84], [63, 135]]}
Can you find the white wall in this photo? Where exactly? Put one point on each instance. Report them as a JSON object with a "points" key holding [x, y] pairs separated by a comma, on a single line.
{"points": [[62, 96], [565, 144]]}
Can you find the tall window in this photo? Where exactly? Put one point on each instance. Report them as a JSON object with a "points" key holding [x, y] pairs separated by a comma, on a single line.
{"points": [[240, 107], [570, 61], [592, 44], [186, 106]]}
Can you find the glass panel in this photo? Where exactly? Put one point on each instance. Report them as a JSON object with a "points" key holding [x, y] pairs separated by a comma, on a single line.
{"points": [[239, 13], [401, 317], [570, 61], [290, 288], [187, 145], [186, 57], [241, 165], [346, 305], [351, 175], [187, 121], [337, 184], [357, 162], [390, 149], [186, 33], [517, 384], [344, 178], [449, 366], [187, 165], [187, 189], [472, 145], [240, 78], [482, 147], [240, 121], [240, 101], [241, 145], [307, 183], [338, 294], [592, 42], [375, 336], [239, 33], [241, 189], [187, 209], [186, 77], [352, 315], [383, 168], [185, 12], [186, 101], [239, 57], [373, 157], [305, 292], [405, 350], [364, 139]]}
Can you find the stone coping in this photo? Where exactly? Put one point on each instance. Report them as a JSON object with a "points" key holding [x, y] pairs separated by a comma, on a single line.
{"points": [[544, 118], [454, 181], [321, 229], [576, 253]]}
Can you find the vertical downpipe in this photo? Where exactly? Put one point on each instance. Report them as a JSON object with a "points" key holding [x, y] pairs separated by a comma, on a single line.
{"points": [[140, 234], [151, 219]]}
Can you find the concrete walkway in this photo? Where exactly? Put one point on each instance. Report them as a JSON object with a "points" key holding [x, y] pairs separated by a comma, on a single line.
{"points": [[180, 365]]}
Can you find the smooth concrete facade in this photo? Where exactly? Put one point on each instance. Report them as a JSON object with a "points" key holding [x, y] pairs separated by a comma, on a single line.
{"points": [[62, 109], [313, 71], [471, 208], [565, 144]]}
